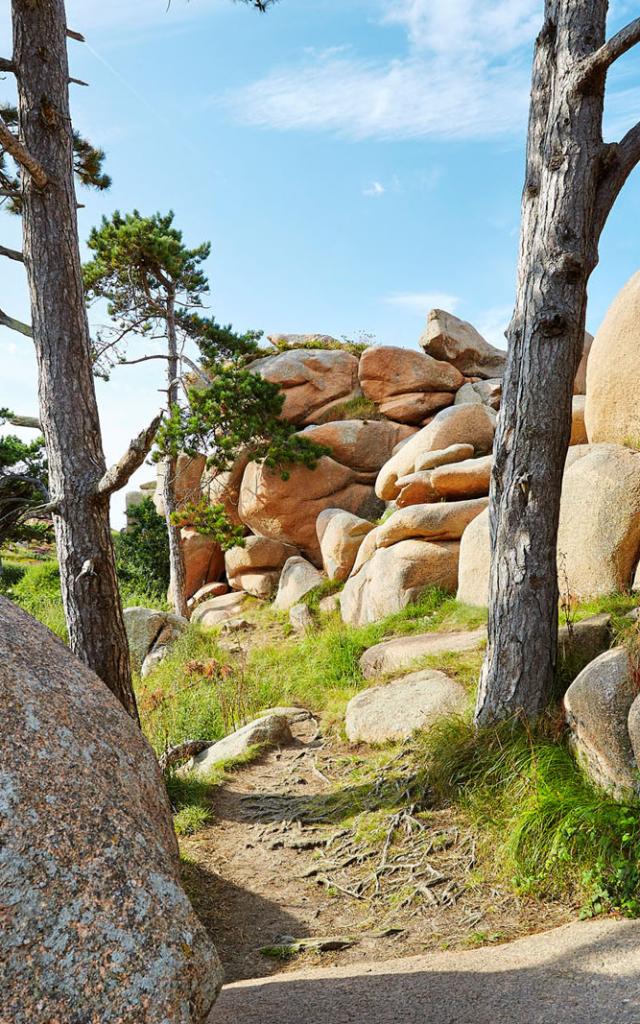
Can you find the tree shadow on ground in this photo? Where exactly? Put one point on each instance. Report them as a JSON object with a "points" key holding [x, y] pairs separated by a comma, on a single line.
{"points": [[580, 974]]}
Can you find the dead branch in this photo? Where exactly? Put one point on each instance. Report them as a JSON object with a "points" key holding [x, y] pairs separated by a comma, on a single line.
{"points": [[14, 147], [602, 59], [7, 65], [11, 254], [120, 473], [15, 325], [76, 35], [25, 421]]}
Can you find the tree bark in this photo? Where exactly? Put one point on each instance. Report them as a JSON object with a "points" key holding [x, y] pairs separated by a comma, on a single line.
{"points": [[68, 407], [558, 251], [177, 577]]}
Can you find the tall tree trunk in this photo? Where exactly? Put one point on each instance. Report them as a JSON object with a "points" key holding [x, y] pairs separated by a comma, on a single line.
{"points": [[558, 251], [177, 584], [68, 407]]}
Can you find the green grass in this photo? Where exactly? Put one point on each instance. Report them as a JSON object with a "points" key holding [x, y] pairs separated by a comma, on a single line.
{"points": [[359, 408], [190, 794], [541, 823]]}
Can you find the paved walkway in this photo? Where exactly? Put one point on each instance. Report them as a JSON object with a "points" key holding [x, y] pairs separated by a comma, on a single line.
{"points": [[582, 973]]}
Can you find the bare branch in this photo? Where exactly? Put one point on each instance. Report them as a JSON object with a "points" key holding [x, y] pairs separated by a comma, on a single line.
{"points": [[14, 147], [601, 60], [11, 254], [620, 158], [181, 752], [25, 421], [7, 65], [119, 474], [15, 325], [10, 193], [76, 35], [78, 81]]}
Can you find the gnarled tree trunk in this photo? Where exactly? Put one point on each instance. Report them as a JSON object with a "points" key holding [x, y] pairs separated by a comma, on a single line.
{"points": [[572, 179], [68, 408]]}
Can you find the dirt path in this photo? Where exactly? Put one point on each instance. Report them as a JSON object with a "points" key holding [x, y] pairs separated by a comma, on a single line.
{"points": [[583, 973], [309, 842]]}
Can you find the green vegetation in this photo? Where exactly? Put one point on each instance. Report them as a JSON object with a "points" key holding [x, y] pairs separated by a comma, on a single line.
{"points": [[23, 486], [355, 348], [360, 408], [142, 551]]}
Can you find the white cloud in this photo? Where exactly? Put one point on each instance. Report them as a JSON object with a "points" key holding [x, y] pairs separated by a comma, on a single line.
{"points": [[375, 189], [492, 323], [422, 302], [119, 14], [464, 73]]}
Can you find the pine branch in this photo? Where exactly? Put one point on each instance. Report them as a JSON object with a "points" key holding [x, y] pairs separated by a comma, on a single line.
{"points": [[619, 160], [7, 65], [15, 325], [602, 59], [25, 421], [119, 474], [14, 147], [11, 254], [76, 35]]}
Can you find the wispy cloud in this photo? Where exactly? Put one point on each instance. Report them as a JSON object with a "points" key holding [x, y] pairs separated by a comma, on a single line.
{"points": [[421, 302], [374, 190], [492, 323], [464, 73]]}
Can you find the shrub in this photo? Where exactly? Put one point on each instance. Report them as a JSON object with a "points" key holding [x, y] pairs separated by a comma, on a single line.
{"points": [[142, 551]]}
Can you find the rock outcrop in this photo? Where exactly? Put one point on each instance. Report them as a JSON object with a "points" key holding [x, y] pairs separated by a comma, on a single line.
{"points": [[313, 380], [612, 411], [456, 341], [340, 535], [256, 567], [203, 560], [298, 577], [407, 386], [96, 925], [362, 445]]}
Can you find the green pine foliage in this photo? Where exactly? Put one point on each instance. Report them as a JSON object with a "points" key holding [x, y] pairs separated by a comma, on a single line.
{"points": [[142, 551], [23, 486]]}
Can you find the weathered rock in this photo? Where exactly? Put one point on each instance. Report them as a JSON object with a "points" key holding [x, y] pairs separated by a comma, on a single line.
{"points": [[459, 425], [340, 535], [256, 567], [584, 640], [633, 728], [217, 610], [397, 576], [366, 550], [597, 706], [209, 590], [153, 659], [475, 560], [96, 926], [395, 711], [362, 445], [203, 560], [580, 383], [468, 479], [447, 337], [147, 627], [271, 730], [445, 520], [297, 579], [578, 429], [599, 532], [481, 392], [415, 407], [415, 489], [329, 604], [301, 618], [612, 411], [403, 651], [312, 380], [187, 484], [224, 488], [443, 457], [387, 371], [287, 510]]}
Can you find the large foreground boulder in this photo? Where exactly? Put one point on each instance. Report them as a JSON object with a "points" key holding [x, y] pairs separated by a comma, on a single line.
{"points": [[287, 510], [448, 337], [397, 576], [395, 711], [313, 380], [597, 706], [612, 411], [95, 925]]}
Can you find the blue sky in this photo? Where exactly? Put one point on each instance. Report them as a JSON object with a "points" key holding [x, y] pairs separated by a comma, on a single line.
{"points": [[353, 162]]}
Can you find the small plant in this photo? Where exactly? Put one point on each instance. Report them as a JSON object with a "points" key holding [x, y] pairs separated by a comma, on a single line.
{"points": [[212, 521]]}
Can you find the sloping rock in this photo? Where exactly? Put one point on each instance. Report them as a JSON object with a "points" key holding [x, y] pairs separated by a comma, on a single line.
{"points": [[217, 610], [298, 577], [397, 576], [209, 590], [147, 627], [187, 485], [612, 411], [578, 429], [415, 489], [415, 407], [362, 445], [475, 561], [224, 488], [312, 380], [256, 567], [468, 425], [387, 370], [96, 925], [447, 337], [481, 392], [580, 383], [366, 550], [287, 510], [597, 706], [340, 535], [468, 479], [203, 560], [445, 520], [395, 711], [403, 651], [272, 730]]}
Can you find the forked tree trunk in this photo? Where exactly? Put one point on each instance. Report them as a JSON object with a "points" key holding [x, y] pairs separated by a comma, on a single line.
{"points": [[177, 574], [68, 408], [571, 181]]}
